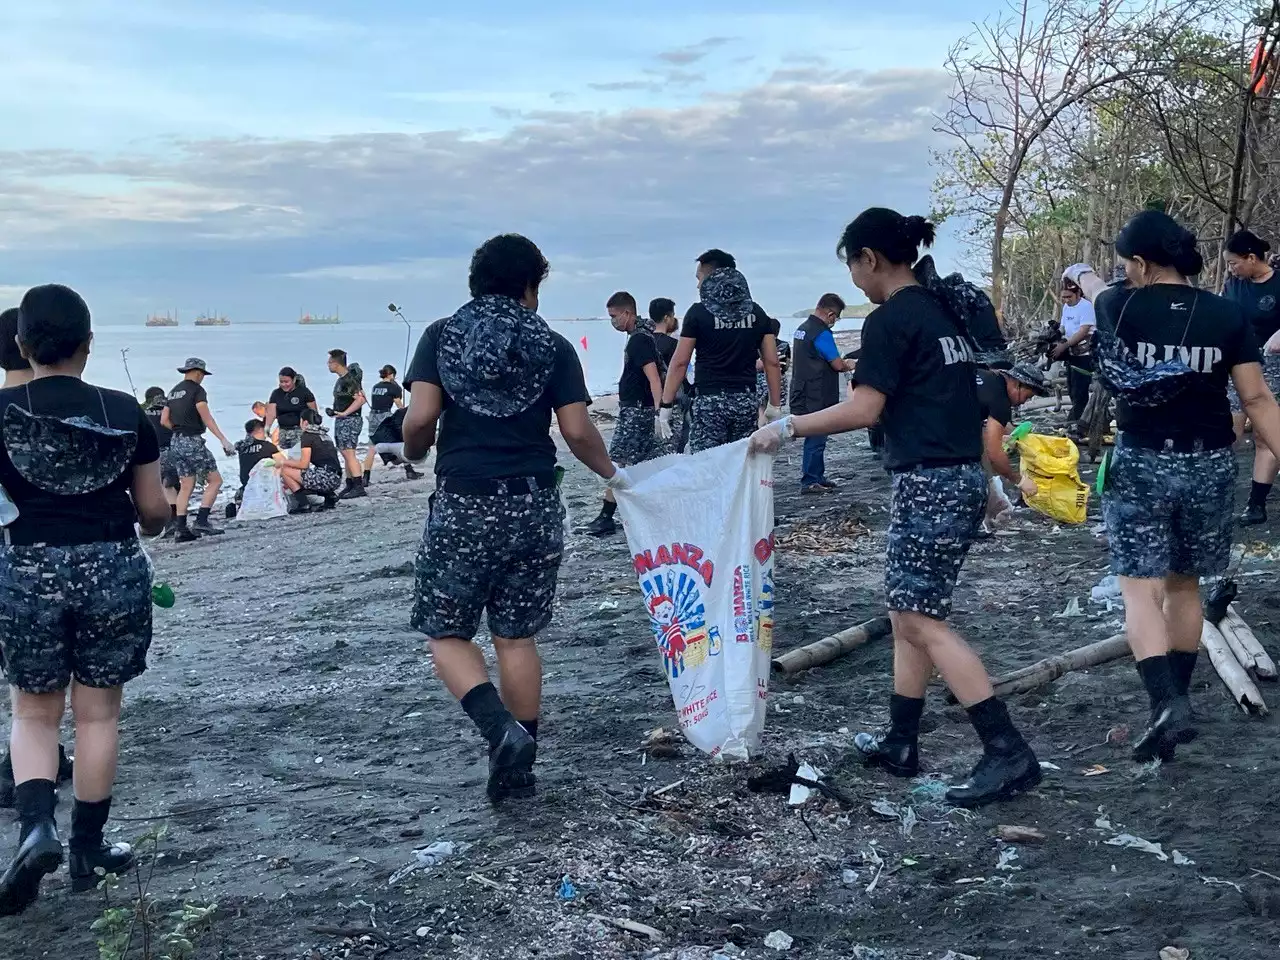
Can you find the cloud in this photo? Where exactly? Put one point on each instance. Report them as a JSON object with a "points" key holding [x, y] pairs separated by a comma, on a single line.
{"points": [[617, 199], [683, 56]]}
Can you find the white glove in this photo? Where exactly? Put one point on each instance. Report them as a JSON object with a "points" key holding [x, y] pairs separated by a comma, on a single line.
{"points": [[770, 438], [228, 449], [621, 480], [772, 413], [662, 429], [1076, 271]]}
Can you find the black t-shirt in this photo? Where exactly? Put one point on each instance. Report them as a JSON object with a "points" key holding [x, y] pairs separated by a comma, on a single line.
{"points": [[384, 395], [666, 345], [323, 452], [391, 429], [44, 514], [163, 433], [289, 406], [476, 446], [1260, 303], [1208, 332], [346, 388], [252, 450], [726, 356], [633, 385], [913, 352], [993, 397], [182, 408]]}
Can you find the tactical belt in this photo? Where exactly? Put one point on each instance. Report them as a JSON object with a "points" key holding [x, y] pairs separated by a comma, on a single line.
{"points": [[84, 533]]}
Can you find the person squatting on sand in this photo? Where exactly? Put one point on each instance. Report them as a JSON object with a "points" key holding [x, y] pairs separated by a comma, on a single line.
{"points": [[251, 449], [285, 405], [348, 399], [317, 470], [1165, 349], [635, 438], [81, 465], [916, 377], [187, 414], [1255, 286], [728, 331], [490, 377]]}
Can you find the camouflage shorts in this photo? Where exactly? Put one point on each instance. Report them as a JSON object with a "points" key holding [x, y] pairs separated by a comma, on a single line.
{"points": [[1169, 512], [933, 520], [190, 456], [721, 418], [82, 611], [498, 555], [1270, 370], [634, 440], [320, 479], [168, 472], [346, 431], [762, 388], [289, 437], [376, 420]]}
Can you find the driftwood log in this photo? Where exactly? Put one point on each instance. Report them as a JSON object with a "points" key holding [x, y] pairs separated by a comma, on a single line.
{"points": [[1243, 690], [830, 648], [1051, 668], [1244, 644]]}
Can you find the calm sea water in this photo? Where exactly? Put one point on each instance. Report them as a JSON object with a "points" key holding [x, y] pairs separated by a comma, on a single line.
{"points": [[245, 357]]}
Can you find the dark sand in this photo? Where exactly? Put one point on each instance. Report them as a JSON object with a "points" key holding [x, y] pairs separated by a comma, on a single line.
{"points": [[291, 734]]}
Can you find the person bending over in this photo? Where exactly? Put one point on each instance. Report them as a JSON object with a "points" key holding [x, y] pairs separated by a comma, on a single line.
{"points": [[489, 379], [285, 406], [316, 471], [348, 399], [999, 391], [916, 377], [187, 414], [81, 463], [252, 449], [385, 399], [639, 396]]}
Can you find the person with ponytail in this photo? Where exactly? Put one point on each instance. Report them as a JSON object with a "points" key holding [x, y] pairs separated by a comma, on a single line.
{"points": [[917, 378], [1166, 350], [1255, 285]]}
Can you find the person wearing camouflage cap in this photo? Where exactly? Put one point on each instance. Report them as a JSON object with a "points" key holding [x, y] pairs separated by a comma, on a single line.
{"points": [[488, 379], [187, 414]]}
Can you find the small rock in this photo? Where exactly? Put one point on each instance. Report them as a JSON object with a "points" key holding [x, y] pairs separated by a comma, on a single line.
{"points": [[778, 941], [798, 700], [1175, 953]]}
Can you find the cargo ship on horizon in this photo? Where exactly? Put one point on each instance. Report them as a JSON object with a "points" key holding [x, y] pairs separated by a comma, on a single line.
{"points": [[167, 320], [308, 319], [212, 320]]}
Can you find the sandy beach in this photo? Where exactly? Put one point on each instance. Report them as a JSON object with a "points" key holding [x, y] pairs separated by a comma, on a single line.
{"points": [[292, 737]]}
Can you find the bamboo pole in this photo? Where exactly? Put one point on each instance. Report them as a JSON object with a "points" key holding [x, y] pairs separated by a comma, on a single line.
{"points": [[1051, 668], [1243, 690], [830, 648], [1249, 651]]}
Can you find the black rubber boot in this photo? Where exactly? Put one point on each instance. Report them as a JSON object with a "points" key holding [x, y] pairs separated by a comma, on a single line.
{"points": [[412, 474], [1255, 514], [602, 526], [203, 528], [183, 532], [1008, 766], [39, 850], [511, 764], [297, 503], [895, 751], [354, 490], [1171, 724], [89, 852], [330, 501]]}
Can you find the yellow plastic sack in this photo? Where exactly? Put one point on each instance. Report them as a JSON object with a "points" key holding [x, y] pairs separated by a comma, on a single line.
{"points": [[1051, 463]]}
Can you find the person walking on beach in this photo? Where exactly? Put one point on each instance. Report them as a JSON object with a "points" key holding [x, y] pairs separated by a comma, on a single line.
{"points": [[318, 468], [384, 399], [489, 379], [187, 414], [728, 331], [1166, 349], [153, 405], [815, 383], [348, 399], [1076, 351], [662, 311], [639, 394], [80, 463], [1254, 286], [285, 406], [916, 376]]}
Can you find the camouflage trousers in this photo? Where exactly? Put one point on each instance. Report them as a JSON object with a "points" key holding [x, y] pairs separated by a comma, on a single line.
{"points": [[168, 472], [634, 440], [82, 611], [289, 437], [493, 554], [346, 431], [933, 521], [721, 418], [1169, 512], [320, 479], [190, 456]]}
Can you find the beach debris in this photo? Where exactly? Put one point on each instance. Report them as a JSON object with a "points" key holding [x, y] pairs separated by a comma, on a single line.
{"points": [[1129, 841], [1051, 668], [778, 941], [1072, 609], [1096, 770], [1175, 953], [567, 890], [908, 822], [662, 743], [630, 926], [831, 648], [1107, 590], [886, 808], [782, 779], [428, 857], [607, 605], [800, 792], [1118, 735], [1251, 654], [849, 877], [952, 955], [1008, 856], [1243, 690], [1046, 765], [873, 857], [930, 791], [1011, 833]]}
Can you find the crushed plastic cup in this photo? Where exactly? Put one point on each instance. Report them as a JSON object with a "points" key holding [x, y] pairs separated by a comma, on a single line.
{"points": [[162, 595]]}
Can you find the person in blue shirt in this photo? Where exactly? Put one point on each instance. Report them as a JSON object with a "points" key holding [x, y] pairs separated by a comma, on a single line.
{"points": [[815, 384]]}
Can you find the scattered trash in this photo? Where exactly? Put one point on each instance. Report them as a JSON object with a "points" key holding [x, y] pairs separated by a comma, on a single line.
{"points": [[1072, 609], [1096, 770], [930, 790], [908, 822], [1014, 834], [873, 856], [1107, 590], [662, 744], [423, 931], [1131, 842], [797, 701], [952, 955], [1007, 857], [886, 808], [849, 877], [778, 941], [608, 605], [1182, 860], [800, 794], [567, 890], [909, 862], [1175, 953], [428, 857], [1118, 736], [1046, 765], [1215, 882]]}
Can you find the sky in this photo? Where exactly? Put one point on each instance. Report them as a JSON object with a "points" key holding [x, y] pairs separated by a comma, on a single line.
{"points": [[264, 159]]}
